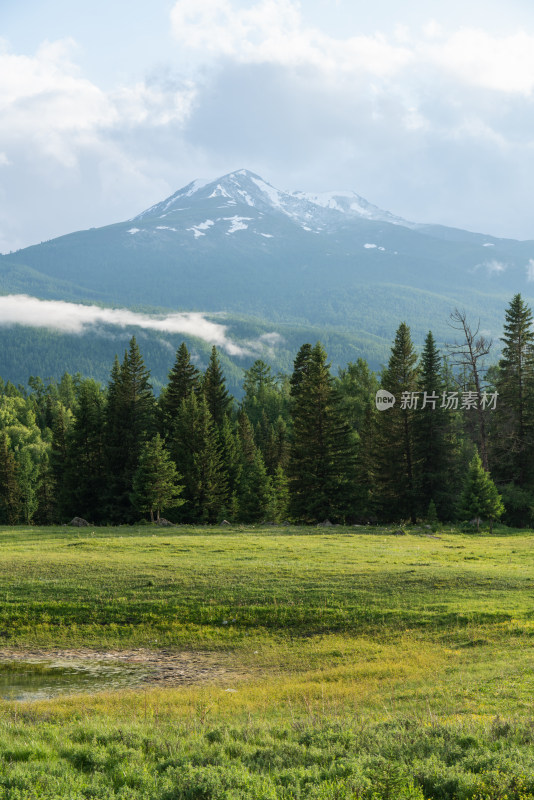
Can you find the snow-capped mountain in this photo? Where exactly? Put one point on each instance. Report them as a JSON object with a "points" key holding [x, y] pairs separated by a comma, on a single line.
{"points": [[239, 245], [311, 211]]}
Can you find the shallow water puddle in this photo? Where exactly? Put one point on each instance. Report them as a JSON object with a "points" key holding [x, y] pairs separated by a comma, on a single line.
{"points": [[39, 680]]}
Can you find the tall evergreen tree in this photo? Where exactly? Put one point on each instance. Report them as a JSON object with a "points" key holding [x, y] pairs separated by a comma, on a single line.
{"points": [[322, 459], [196, 451], [58, 460], [513, 426], [357, 387], [396, 459], [46, 513], [28, 479], [279, 500], [433, 437], [130, 422], [10, 494], [86, 468], [214, 388], [183, 378], [277, 447], [156, 481], [253, 491], [231, 464]]}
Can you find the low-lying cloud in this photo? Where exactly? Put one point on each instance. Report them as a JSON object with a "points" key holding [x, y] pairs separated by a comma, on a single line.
{"points": [[21, 309]]}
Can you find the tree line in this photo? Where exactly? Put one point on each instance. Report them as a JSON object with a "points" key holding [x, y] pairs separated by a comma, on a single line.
{"points": [[454, 443]]}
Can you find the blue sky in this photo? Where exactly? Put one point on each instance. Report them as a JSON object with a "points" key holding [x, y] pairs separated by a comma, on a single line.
{"points": [[423, 108]]}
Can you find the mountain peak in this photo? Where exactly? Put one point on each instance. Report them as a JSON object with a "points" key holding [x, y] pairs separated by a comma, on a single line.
{"points": [[245, 188]]}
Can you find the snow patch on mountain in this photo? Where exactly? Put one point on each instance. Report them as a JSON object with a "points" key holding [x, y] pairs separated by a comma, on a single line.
{"points": [[220, 192], [133, 230], [238, 224], [198, 230]]}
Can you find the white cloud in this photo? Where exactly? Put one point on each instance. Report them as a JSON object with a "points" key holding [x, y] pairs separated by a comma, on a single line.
{"points": [[495, 267], [492, 267], [504, 64], [45, 102], [530, 270], [273, 31], [78, 318]]}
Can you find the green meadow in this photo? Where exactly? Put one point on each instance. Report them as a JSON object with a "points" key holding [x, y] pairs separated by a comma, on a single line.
{"points": [[337, 663]]}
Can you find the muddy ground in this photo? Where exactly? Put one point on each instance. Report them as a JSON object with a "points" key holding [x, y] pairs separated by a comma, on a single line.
{"points": [[164, 667]]}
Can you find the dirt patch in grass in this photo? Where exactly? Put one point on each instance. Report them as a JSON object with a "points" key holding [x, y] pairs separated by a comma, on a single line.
{"points": [[165, 667]]}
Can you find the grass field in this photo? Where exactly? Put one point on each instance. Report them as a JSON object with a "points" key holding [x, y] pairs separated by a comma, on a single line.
{"points": [[351, 663]]}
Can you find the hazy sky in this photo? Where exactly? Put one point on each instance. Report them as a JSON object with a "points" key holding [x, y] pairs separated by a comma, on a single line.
{"points": [[424, 108]]}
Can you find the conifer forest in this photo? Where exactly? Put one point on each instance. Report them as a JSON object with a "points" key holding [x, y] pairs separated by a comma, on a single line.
{"points": [[308, 447]]}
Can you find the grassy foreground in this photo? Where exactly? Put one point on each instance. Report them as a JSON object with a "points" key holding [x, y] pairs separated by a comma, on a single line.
{"points": [[368, 665]]}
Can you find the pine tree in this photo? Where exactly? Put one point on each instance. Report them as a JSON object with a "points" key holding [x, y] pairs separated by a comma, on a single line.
{"points": [[196, 451], [85, 476], [357, 387], [46, 513], [58, 460], [253, 491], [433, 436], [480, 498], [277, 447], [322, 460], [231, 465], [10, 495], [130, 422], [279, 499], [513, 426], [266, 398], [156, 481], [215, 391], [396, 465], [27, 479], [183, 378]]}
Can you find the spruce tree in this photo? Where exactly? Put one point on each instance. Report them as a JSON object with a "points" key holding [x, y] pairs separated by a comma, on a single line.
{"points": [[183, 378], [156, 481], [433, 437], [58, 461], [10, 495], [396, 459], [253, 491], [86, 469], [513, 425], [357, 387], [231, 464], [196, 451], [322, 460], [279, 500], [130, 422], [215, 391], [277, 447], [46, 513], [27, 479], [480, 498]]}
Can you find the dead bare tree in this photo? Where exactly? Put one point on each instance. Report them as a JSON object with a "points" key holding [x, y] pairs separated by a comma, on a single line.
{"points": [[468, 354]]}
